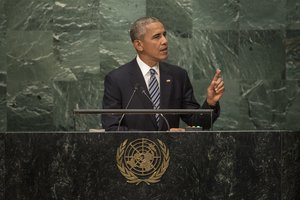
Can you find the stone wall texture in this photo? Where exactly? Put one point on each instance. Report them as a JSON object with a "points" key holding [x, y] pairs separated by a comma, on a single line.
{"points": [[54, 55]]}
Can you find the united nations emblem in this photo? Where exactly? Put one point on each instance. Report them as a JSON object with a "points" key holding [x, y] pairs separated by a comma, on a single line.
{"points": [[142, 160]]}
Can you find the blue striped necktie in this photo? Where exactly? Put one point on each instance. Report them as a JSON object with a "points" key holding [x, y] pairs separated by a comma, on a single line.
{"points": [[154, 92]]}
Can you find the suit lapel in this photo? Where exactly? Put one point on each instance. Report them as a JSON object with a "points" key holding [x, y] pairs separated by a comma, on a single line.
{"points": [[165, 87], [136, 77]]}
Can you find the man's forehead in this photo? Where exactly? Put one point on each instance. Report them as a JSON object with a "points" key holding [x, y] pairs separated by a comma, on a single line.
{"points": [[155, 24], [156, 27]]}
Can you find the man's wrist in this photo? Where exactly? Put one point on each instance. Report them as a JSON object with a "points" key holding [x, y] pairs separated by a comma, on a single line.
{"points": [[211, 103]]}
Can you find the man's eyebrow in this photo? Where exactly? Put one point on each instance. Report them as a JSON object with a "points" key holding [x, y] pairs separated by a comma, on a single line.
{"points": [[158, 34]]}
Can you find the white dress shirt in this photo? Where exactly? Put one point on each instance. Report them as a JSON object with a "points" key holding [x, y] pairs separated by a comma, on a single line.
{"points": [[145, 69]]}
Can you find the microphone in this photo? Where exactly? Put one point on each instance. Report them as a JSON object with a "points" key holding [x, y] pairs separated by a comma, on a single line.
{"points": [[165, 119], [136, 87]]}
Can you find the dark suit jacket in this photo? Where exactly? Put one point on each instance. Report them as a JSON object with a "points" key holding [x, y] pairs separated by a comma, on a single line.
{"points": [[176, 92]]}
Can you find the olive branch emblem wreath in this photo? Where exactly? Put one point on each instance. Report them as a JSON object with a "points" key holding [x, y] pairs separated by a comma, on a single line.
{"points": [[142, 160]]}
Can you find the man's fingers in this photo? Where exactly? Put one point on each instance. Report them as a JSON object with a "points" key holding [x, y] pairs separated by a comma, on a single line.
{"points": [[220, 81], [217, 75], [218, 84], [219, 89], [177, 129], [216, 79]]}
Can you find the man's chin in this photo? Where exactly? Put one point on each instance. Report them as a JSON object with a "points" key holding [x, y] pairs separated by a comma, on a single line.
{"points": [[165, 57]]}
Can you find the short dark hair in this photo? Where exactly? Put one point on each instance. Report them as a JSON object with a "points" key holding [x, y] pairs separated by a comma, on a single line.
{"points": [[138, 30]]}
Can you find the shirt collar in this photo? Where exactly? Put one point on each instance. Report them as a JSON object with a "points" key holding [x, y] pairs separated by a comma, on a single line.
{"points": [[144, 67]]}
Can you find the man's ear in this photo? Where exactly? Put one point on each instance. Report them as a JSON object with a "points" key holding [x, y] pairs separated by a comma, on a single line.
{"points": [[138, 45]]}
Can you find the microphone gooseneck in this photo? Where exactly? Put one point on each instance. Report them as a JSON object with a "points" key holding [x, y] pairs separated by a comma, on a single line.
{"points": [[136, 87], [165, 119]]}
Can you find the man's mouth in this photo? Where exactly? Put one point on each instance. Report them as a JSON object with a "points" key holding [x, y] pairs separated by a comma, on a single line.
{"points": [[164, 50]]}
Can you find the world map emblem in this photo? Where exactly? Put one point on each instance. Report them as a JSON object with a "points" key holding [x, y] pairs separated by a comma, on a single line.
{"points": [[142, 160]]}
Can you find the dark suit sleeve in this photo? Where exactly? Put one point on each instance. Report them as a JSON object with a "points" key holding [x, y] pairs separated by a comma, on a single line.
{"points": [[206, 121], [189, 102]]}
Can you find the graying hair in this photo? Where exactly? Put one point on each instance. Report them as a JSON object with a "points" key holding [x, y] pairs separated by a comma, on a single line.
{"points": [[138, 28]]}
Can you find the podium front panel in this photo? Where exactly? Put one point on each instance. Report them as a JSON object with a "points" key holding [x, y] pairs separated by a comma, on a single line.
{"points": [[150, 165]]}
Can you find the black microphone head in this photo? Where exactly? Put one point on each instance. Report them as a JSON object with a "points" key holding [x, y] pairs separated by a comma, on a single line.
{"points": [[137, 86], [142, 89]]}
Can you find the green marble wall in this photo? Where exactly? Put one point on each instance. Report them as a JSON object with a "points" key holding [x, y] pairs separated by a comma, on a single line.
{"points": [[55, 54]]}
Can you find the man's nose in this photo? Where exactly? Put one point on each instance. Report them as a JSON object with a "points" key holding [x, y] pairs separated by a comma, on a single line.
{"points": [[164, 39]]}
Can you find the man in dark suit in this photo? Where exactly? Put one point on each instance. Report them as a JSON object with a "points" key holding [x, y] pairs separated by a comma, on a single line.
{"points": [[133, 86]]}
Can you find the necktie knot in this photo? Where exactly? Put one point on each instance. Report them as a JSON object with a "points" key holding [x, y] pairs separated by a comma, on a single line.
{"points": [[152, 72]]}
